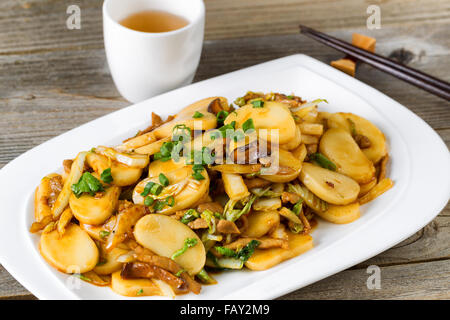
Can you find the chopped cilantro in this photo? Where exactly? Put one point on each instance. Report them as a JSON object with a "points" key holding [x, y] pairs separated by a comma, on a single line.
{"points": [[87, 184], [106, 176]]}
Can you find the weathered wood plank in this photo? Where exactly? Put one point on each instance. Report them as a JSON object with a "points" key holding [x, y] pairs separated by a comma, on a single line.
{"points": [[40, 25], [53, 79], [429, 280], [45, 94]]}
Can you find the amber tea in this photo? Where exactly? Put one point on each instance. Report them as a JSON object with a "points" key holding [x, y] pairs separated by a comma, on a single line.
{"points": [[154, 21]]}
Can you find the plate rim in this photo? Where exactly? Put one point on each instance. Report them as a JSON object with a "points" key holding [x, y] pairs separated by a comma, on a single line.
{"points": [[305, 61]]}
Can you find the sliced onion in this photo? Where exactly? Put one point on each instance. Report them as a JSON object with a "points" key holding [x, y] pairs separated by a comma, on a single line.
{"points": [[166, 290], [75, 174], [133, 160]]}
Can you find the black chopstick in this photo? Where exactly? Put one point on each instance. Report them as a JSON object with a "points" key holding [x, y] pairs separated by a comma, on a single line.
{"points": [[408, 74]]}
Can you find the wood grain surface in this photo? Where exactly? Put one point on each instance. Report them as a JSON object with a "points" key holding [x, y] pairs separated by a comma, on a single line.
{"points": [[53, 79]]}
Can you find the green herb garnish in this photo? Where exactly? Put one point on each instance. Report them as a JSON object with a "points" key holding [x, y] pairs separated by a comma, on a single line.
{"points": [[198, 176], [87, 184], [248, 125], [106, 176], [156, 189], [147, 189], [170, 201], [322, 161], [163, 180], [188, 243], [140, 291], [197, 115], [257, 103], [221, 116], [148, 201]]}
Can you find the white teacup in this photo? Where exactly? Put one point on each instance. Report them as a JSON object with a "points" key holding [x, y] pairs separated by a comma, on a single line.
{"points": [[145, 64]]}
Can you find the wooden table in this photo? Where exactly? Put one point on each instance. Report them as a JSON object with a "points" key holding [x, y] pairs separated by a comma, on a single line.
{"points": [[53, 79]]}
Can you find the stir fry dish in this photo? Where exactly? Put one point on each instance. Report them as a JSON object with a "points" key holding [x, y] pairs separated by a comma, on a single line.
{"points": [[216, 187]]}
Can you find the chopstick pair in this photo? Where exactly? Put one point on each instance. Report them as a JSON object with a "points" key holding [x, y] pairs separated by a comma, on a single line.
{"points": [[410, 75]]}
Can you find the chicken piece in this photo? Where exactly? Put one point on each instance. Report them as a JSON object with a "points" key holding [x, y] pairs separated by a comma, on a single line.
{"points": [[227, 227], [198, 223]]}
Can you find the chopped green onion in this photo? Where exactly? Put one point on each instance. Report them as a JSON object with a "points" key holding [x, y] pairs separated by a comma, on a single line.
{"points": [[140, 291], [322, 161], [197, 167], [106, 176], [198, 176], [221, 116], [147, 189], [188, 243], [163, 180], [257, 103], [248, 125], [156, 189], [197, 115], [159, 205], [170, 200], [166, 149], [148, 201]]}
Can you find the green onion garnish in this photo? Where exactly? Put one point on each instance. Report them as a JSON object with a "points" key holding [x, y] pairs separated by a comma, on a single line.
{"points": [[248, 125], [163, 180], [257, 103], [322, 161], [148, 201], [197, 115], [147, 189]]}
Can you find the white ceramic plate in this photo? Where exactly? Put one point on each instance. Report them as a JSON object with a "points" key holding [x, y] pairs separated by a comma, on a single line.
{"points": [[420, 168]]}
